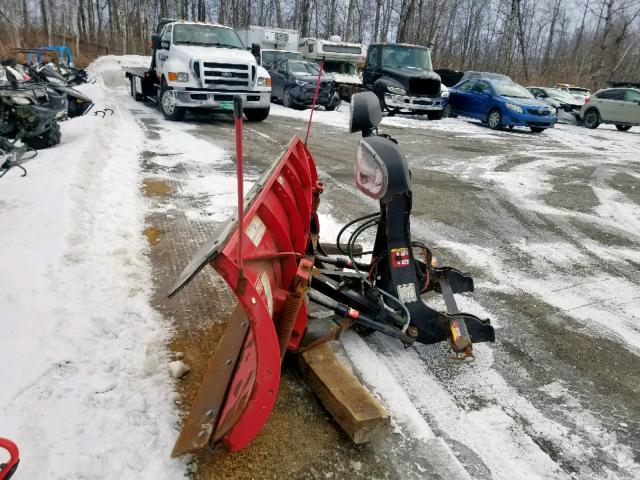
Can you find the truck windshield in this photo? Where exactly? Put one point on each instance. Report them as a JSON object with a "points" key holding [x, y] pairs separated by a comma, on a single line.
{"points": [[396, 56], [206, 35], [345, 68]]}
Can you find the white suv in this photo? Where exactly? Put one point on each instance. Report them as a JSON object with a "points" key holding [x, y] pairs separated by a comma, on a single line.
{"points": [[620, 106]]}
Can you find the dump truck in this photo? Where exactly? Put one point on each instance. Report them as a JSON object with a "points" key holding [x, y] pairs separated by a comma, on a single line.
{"points": [[200, 66]]}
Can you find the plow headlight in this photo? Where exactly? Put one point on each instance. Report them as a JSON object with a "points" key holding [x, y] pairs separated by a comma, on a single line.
{"points": [[372, 177]]}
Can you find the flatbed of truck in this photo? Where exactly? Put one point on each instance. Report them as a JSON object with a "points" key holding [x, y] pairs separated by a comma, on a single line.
{"points": [[136, 71]]}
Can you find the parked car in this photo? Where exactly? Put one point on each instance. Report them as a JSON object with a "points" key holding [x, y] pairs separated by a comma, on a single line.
{"points": [[500, 104], [498, 77], [578, 93], [567, 106], [619, 106], [294, 83]]}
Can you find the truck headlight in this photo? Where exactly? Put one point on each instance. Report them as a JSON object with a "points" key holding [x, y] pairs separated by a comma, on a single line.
{"points": [[178, 77], [264, 82], [514, 107], [396, 90], [553, 110], [444, 93], [301, 82]]}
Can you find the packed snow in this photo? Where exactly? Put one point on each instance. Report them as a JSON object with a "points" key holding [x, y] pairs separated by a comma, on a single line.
{"points": [[86, 386]]}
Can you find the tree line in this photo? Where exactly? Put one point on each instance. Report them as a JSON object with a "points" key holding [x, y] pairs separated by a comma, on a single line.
{"points": [[585, 42]]}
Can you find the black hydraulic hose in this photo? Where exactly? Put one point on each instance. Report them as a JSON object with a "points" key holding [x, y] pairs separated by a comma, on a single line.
{"points": [[352, 240], [342, 230]]}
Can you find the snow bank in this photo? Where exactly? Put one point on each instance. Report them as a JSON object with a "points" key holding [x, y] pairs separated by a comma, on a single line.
{"points": [[86, 390]]}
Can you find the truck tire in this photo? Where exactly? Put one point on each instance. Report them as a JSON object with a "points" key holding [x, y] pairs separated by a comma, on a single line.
{"points": [[437, 115], [591, 118], [623, 128], [537, 129], [48, 139], [168, 105], [256, 114]]}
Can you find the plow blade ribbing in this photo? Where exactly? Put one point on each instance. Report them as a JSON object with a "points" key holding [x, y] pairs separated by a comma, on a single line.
{"points": [[233, 407]]}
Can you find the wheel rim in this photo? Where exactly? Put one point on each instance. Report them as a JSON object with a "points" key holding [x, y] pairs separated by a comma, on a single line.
{"points": [[591, 118], [286, 100], [494, 119], [447, 111], [168, 102]]}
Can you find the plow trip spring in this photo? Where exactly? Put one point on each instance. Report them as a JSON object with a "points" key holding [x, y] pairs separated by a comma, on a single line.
{"points": [[270, 256]]}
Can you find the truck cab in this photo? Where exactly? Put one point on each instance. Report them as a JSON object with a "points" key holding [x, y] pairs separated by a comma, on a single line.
{"points": [[402, 77], [341, 60], [203, 66]]}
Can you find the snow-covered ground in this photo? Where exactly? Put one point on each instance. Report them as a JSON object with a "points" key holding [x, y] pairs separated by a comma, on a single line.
{"points": [[85, 388]]}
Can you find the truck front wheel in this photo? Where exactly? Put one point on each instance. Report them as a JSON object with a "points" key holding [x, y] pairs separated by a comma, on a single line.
{"points": [[256, 114], [168, 105], [435, 115]]}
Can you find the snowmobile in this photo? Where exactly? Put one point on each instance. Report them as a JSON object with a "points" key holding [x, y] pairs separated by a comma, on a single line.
{"points": [[57, 77], [271, 257], [29, 111], [78, 103]]}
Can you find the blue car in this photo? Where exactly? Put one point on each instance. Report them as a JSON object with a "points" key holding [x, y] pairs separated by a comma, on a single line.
{"points": [[500, 104]]}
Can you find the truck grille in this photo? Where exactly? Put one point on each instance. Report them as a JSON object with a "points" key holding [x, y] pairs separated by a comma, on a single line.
{"points": [[227, 76], [424, 86]]}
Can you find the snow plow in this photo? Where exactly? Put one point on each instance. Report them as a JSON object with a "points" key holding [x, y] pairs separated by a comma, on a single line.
{"points": [[271, 257]]}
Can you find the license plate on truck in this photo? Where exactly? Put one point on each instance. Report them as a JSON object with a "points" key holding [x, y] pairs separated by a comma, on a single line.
{"points": [[226, 105]]}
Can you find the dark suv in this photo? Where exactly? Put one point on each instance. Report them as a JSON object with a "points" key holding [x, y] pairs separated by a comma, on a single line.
{"points": [[294, 83]]}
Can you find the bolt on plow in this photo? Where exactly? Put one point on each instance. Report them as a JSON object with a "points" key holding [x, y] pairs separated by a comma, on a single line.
{"points": [[271, 257]]}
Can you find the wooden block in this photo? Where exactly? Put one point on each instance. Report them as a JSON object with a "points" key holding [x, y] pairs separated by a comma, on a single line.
{"points": [[354, 408]]}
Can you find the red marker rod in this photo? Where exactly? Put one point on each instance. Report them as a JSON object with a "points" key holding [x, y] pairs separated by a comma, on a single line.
{"points": [[237, 114], [313, 105]]}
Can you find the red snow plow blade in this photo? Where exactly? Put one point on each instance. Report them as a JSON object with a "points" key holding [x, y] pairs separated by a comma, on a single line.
{"points": [[269, 279]]}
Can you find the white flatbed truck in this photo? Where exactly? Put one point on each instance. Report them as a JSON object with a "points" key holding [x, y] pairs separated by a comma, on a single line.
{"points": [[200, 66]]}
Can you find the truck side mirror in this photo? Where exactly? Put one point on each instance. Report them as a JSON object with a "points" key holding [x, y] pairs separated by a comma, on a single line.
{"points": [[155, 41], [255, 50]]}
